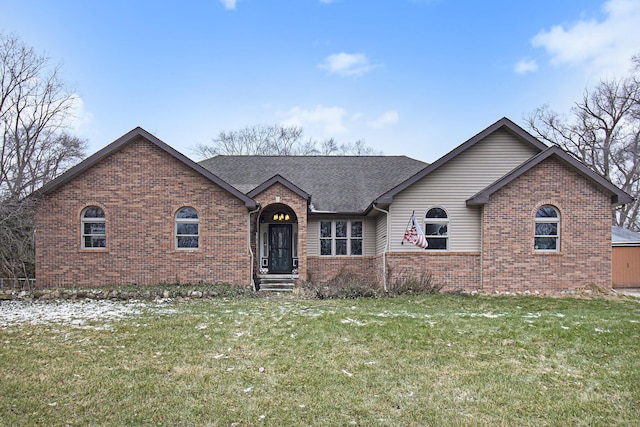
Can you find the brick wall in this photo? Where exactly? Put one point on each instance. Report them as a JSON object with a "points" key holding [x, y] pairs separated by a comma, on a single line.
{"points": [[140, 187], [509, 260], [325, 268], [457, 271]]}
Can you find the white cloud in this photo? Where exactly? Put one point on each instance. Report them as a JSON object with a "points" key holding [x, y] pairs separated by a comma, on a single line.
{"points": [[229, 4], [80, 118], [525, 66], [347, 64], [604, 46], [330, 120], [386, 119]]}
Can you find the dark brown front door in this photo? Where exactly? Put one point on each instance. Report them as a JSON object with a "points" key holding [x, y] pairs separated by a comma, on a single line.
{"points": [[280, 260]]}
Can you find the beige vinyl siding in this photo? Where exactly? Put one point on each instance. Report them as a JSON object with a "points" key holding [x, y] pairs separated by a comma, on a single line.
{"points": [[368, 234], [313, 237], [452, 184], [381, 233]]}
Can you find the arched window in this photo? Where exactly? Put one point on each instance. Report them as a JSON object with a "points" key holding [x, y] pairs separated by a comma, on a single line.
{"points": [[187, 229], [94, 228], [547, 229], [436, 224]]}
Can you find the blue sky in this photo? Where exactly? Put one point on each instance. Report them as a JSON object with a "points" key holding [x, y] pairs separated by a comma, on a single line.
{"points": [[414, 77]]}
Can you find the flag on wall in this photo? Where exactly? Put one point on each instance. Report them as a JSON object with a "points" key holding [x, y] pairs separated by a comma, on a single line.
{"points": [[413, 233]]}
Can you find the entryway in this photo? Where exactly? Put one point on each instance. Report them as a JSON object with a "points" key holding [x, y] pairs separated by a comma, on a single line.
{"points": [[278, 248]]}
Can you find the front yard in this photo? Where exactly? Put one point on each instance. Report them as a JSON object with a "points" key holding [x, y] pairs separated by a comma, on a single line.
{"points": [[428, 360]]}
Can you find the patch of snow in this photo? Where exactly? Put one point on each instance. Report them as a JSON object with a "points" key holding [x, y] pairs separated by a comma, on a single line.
{"points": [[488, 315], [353, 322], [79, 314]]}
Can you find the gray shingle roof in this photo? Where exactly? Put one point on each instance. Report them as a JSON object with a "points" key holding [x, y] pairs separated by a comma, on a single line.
{"points": [[345, 184]]}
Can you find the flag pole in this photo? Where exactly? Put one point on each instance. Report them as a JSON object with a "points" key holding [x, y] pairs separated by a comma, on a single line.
{"points": [[409, 222]]}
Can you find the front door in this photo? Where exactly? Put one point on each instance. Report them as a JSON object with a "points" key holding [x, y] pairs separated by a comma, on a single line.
{"points": [[280, 260]]}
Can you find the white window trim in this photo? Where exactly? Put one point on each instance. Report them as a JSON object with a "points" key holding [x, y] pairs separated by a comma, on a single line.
{"points": [[84, 220], [178, 221], [333, 237], [547, 220], [432, 221]]}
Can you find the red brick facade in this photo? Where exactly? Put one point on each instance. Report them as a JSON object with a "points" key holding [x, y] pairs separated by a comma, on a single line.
{"points": [[140, 188], [509, 260], [325, 268], [457, 271]]}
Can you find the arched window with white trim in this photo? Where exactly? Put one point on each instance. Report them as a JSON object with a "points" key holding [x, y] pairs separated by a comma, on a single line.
{"points": [[436, 229], [547, 229], [94, 228], [187, 230]]}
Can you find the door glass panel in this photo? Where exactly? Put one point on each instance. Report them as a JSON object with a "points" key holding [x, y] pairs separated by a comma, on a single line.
{"points": [[280, 248]]}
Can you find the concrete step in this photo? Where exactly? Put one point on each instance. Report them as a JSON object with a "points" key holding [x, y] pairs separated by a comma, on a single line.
{"points": [[276, 286]]}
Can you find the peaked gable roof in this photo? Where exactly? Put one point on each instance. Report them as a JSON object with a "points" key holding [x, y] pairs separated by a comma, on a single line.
{"points": [[123, 141], [279, 180], [337, 184], [618, 196], [502, 124]]}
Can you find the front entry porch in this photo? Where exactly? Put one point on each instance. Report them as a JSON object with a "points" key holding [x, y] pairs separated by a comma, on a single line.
{"points": [[278, 243]]}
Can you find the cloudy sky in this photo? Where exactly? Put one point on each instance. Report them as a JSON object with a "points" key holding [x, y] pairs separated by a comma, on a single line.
{"points": [[414, 77]]}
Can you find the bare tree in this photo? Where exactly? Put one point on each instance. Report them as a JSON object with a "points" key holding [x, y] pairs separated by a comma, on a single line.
{"points": [[275, 140], [358, 148], [35, 146], [603, 131]]}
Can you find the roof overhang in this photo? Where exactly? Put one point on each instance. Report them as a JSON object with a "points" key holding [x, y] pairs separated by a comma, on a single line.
{"points": [[278, 179], [123, 141], [502, 124], [618, 197]]}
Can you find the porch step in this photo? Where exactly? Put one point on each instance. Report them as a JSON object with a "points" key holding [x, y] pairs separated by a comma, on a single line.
{"points": [[277, 282], [276, 287]]}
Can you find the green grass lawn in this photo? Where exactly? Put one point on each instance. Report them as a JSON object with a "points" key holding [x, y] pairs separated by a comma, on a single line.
{"points": [[432, 360]]}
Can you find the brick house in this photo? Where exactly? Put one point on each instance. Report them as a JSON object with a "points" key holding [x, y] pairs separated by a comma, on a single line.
{"points": [[502, 211]]}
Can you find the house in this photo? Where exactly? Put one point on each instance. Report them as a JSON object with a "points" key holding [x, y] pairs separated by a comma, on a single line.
{"points": [[501, 212], [626, 258]]}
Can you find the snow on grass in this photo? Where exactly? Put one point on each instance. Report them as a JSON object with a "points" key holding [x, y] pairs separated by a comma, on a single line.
{"points": [[73, 313]]}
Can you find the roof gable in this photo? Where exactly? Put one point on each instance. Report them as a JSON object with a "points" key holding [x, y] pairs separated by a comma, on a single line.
{"points": [[277, 179], [502, 124], [127, 139], [617, 196]]}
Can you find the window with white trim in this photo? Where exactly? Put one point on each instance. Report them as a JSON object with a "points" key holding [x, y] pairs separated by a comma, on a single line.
{"points": [[94, 228], [187, 230], [547, 229], [341, 237], [436, 229]]}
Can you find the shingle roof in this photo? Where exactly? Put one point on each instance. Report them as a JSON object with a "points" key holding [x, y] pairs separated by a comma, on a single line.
{"points": [[345, 184]]}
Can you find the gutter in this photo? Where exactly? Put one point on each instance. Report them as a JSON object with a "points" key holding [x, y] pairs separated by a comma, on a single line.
{"points": [[384, 253], [253, 283]]}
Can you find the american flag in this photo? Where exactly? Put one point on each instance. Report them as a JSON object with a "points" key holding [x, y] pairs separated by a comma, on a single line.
{"points": [[413, 234]]}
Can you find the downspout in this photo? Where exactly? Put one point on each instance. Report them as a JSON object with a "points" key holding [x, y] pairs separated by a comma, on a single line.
{"points": [[384, 252], [253, 283], [482, 249]]}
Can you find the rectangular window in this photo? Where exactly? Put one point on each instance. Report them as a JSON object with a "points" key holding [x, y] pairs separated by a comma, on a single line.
{"points": [[341, 238]]}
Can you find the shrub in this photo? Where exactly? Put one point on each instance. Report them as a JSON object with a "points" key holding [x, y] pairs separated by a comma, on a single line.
{"points": [[346, 284], [405, 282]]}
